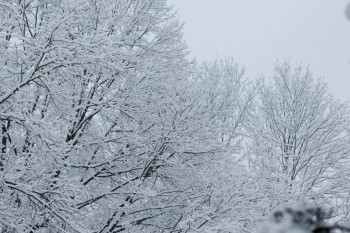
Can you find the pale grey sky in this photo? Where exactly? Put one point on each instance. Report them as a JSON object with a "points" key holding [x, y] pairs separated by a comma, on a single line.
{"points": [[257, 32]]}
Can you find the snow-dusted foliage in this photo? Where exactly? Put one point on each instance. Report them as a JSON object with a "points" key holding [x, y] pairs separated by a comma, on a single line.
{"points": [[105, 126], [302, 218], [299, 146]]}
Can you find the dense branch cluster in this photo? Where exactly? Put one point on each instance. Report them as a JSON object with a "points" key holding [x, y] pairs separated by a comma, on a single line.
{"points": [[105, 126]]}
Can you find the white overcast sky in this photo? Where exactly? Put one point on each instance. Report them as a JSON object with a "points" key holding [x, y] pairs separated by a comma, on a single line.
{"points": [[258, 32]]}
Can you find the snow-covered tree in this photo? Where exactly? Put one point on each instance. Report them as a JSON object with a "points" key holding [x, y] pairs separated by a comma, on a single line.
{"points": [[105, 124], [221, 201], [82, 96], [299, 143]]}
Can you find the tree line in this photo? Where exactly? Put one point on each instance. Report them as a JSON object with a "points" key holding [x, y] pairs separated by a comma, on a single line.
{"points": [[106, 126]]}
